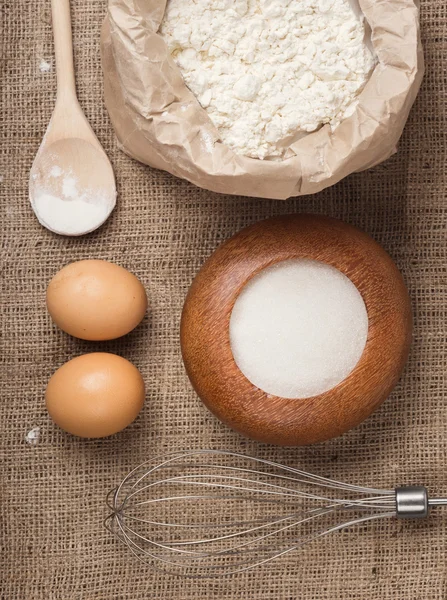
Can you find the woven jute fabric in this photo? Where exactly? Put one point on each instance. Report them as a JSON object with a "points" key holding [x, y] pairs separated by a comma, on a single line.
{"points": [[54, 545]]}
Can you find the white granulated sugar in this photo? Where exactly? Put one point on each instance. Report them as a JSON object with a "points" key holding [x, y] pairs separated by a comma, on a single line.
{"points": [[268, 70], [33, 436], [44, 66], [298, 328]]}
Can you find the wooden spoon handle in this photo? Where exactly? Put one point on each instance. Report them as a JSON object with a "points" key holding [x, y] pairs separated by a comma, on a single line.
{"points": [[63, 46]]}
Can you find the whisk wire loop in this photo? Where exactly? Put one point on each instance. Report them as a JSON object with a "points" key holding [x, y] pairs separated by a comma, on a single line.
{"points": [[236, 512]]}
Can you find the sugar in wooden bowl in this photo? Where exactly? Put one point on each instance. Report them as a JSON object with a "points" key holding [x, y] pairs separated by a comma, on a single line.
{"points": [[296, 329]]}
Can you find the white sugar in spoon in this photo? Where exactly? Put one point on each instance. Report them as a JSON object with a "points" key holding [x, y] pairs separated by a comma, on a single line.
{"points": [[72, 186]]}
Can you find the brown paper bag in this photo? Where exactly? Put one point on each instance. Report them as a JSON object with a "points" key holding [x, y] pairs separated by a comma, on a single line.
{"points": [[159, 121]]}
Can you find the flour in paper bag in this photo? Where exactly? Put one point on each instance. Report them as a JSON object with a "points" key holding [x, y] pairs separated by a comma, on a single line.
{"points": [[267, 71]]}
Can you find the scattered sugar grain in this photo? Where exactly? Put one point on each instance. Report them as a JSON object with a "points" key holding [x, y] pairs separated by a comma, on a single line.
{"points": [[33, 436]]}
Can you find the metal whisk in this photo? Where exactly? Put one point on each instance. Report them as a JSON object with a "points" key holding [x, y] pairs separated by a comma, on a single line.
{"points": [[207, 513]]}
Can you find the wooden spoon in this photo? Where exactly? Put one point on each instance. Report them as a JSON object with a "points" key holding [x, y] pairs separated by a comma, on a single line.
{"points": [[72, 186]]}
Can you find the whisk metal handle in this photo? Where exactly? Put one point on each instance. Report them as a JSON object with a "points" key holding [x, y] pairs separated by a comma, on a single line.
{"points": [[412, 502], [437, 502]]}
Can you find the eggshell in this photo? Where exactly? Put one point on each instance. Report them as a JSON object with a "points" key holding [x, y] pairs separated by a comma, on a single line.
{"points": [[96, 300], [95, 395]]}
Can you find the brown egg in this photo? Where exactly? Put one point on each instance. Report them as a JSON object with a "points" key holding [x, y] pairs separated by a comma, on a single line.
{"points": [[96, 300], [95, 395]]}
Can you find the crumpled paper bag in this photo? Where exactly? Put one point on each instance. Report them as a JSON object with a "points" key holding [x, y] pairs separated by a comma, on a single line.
{"points": [[159, 121]]}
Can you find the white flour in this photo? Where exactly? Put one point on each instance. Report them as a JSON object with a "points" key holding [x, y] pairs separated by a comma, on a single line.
{"points": [[267, 71], [71, 212], [44, 66], [55, 171]]}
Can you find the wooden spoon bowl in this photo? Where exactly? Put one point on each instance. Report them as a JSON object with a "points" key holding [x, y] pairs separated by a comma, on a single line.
{"points": [[205, 330]]}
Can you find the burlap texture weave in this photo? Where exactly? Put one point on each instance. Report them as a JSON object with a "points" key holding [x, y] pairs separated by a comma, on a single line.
{"points": [[54, 546]]}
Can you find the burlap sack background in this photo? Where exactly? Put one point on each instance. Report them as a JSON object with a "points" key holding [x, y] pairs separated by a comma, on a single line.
{"points": [[54, 546]]}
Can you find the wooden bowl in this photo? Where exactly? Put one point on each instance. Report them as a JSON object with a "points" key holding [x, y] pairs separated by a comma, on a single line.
{"points": [[205, 337]]}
